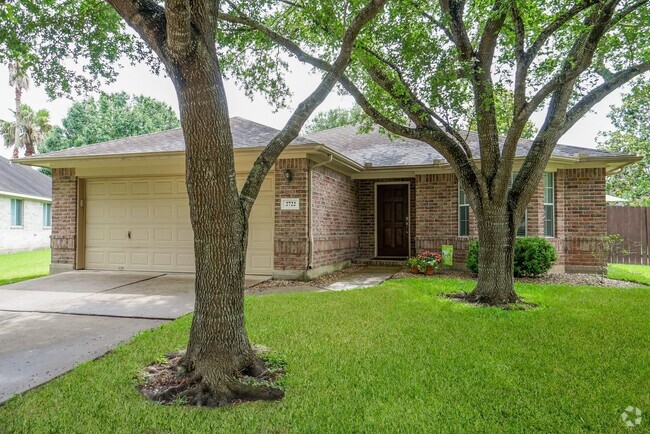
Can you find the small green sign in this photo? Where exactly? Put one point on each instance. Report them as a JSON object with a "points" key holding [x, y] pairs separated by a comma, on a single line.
{"points": [[447, 255]]}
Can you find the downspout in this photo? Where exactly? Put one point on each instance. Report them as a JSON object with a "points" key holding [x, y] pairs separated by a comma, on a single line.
{"points": [[310, 209]]}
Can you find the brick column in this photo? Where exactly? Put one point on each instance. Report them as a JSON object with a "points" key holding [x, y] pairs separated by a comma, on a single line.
{"points": [[581, 216], [64, 220], [335, 220], [291, 239]]}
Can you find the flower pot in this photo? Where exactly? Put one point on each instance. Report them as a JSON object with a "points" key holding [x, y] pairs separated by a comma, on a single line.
{"points": [[428, 271], [414, 269]]}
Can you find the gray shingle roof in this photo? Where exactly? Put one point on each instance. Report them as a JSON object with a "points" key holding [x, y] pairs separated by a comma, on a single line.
{"points": [[374, 147], [246, 134], [380, 150], [18, 179]]}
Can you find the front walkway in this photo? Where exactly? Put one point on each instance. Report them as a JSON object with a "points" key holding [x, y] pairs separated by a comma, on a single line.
{"points": [[364, 278]]}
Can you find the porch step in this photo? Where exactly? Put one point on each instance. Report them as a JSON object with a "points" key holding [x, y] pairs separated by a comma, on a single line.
{"points": [[381, 262]]}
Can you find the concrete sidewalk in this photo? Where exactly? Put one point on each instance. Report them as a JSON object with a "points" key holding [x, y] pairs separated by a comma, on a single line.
{"points": [[364, 278]]}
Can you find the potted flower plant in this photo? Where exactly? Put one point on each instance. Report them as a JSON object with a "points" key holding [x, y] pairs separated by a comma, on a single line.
{"points": [[429, 261], [413, 263]]}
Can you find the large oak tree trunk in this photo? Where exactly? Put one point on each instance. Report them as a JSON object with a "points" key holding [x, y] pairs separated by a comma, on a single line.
{"points": [[497, 235], [218, 347]]}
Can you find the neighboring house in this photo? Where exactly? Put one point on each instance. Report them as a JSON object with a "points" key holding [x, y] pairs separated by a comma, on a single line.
{"points": [[332, 197], [25, 208]]}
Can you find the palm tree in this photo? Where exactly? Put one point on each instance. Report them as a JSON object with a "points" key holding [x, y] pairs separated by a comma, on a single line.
{"points": [[35, 125], [32, 127], [20, 81]]}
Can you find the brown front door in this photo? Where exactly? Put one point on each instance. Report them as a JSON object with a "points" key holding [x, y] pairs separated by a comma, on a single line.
{"points": [[392, 220]]}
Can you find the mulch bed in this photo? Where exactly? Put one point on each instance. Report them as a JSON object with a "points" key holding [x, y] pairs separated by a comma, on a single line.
{"points": [[163, 375], [577, 279]]}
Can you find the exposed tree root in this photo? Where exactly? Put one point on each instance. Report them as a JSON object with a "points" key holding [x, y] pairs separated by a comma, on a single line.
{"points": [[478, 299], [171, 383]]}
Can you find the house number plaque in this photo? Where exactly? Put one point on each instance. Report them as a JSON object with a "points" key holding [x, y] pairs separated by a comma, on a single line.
{"points": [[289, 203]]}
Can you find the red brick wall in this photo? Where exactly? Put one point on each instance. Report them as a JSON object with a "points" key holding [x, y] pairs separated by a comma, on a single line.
{"points": [[291, 234], [64, 218], [334, 217], [535, 210], [437, 215], [366, 192], [581, 214]]}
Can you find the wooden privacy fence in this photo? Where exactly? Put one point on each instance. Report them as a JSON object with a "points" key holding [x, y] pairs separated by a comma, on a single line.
{"points": [[632, 223]]}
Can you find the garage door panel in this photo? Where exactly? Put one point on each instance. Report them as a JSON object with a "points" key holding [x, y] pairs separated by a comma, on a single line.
{"points": [[140, 212], [140, 188], [141, 259], [118, 188], [96, 189], [163, 187], [156, 211], [117, 259], [185, 235], [260, 261]]}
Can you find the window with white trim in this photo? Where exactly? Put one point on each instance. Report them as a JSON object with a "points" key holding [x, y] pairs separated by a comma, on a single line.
{"points": [[463, 213], [16, 212], [47, 215], [522, 228], [549, 204]]}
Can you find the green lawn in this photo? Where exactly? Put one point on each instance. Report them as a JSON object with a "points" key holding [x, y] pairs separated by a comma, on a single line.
{"points": [[633, 273], [391, 358], [15, 267]]}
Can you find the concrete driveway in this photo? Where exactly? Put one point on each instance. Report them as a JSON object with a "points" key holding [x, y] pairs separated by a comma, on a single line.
{"points": [[49, 325]]}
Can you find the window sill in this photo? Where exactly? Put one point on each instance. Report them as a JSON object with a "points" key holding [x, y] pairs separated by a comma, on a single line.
{"points": [[17, 227]]}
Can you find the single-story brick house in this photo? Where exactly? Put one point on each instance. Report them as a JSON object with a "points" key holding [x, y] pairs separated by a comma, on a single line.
{"points": [[122, 205], [25, 208]]}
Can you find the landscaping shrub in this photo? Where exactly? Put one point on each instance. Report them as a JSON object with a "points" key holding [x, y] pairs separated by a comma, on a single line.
{"points": [[472, 257], [533, 256]]}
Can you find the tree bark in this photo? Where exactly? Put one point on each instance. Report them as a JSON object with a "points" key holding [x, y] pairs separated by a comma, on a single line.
{"points": [[497, 236], [18, 97], [218, 347]]}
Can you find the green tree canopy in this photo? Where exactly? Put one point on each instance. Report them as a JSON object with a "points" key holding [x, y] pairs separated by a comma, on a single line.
{"points": [[336, 117], [631, 136], [109, 117]]}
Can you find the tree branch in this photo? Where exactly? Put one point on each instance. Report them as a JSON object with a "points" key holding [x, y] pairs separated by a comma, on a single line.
{"points": [[147, 18], [454, 8], [292, 128], [491, 32], [620, 16], [579, 58], [179, 31], [597, 94], [440, 25], [558, 22]]}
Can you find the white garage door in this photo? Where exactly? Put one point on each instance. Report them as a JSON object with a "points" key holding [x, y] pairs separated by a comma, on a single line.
{"points": [[144, 225]]}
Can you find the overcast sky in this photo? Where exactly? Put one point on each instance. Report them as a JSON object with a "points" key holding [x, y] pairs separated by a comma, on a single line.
{"points": [[139, 80]]}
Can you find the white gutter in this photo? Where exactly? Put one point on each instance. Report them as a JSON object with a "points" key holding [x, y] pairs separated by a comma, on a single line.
{"points": [[310, 210], [25, 196]]}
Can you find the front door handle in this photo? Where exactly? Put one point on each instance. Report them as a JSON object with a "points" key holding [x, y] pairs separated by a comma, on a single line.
{"points": [[128, 234]]}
